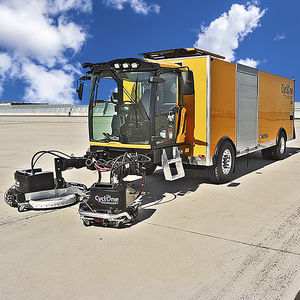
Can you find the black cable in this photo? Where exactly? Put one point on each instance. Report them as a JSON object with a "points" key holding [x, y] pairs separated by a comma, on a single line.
{"points": [[51, 152], [148, 159], [116, 159], [60, 152], [33, 162], [43, 152], [121, 161]]}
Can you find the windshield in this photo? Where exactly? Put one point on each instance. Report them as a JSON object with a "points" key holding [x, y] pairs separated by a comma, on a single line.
{"points": [[120, 107]]}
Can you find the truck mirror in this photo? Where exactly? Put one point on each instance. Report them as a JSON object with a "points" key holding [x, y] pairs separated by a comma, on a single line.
{"points": [[114, 98], [80, 91], [156, 79], [187, 82]]}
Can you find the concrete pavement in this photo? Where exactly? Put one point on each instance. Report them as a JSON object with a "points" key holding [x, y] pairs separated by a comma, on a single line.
{"points": [[193, 240]]}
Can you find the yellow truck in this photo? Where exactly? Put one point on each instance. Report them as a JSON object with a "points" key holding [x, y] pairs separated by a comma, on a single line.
{"points": [[187, 107], [181, 107]]}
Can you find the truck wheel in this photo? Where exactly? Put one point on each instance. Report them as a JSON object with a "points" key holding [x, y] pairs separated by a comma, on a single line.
{"points": [[150, 169], [266, 153], [222, 171], [279, 151]]}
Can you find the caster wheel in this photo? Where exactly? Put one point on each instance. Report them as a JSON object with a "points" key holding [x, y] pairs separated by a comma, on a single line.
{"points": [[21, 208], [87, 222], [117, 225]]}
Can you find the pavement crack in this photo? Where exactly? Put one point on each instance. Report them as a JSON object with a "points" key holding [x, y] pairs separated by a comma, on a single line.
{"points": [[26, 218], [224, 239]]}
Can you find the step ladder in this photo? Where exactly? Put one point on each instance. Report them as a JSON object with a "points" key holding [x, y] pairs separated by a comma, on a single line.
{"points": [[175, 160]]}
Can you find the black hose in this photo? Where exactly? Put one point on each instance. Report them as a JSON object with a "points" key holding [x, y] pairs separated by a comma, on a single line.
{"points": [[43, 152]]}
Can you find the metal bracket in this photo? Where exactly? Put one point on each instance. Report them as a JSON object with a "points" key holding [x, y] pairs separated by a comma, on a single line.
{"points": [[176, 160]]}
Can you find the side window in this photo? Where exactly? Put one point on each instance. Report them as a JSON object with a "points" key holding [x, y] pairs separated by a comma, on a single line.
{"points": [[167, 93], [104, 89]]}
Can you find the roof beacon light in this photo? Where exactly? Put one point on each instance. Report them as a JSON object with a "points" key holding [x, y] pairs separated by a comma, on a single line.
{"points": [[134, 65], [117, 66], [125, 65]]}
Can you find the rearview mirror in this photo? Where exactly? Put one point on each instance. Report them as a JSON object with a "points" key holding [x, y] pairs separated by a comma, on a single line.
{"points": [[187, 82], [80, 91], [156, 79], [114, 98]]}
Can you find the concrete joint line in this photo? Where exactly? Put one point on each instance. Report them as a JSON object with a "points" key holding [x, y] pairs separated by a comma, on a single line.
{"points": [[225, 239]]}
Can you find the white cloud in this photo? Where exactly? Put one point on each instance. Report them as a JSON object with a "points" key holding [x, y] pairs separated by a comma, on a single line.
{"points": [[28, 30], [5, 63], [6, 69], [55, 6], [224, 34], [51, 86], [249, 62], [35, 35], [279, 36], [139, 6]]}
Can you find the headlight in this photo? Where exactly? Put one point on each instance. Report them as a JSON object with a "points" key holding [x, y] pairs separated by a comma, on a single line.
{"points": [[134, 65], [125, 65]]}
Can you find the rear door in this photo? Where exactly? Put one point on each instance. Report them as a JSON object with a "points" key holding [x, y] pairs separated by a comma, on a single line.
{"points": [[246, 108]]}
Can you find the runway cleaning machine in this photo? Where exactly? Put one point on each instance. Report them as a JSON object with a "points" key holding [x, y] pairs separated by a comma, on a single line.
{"points": [[110, 203], [172, 108]]}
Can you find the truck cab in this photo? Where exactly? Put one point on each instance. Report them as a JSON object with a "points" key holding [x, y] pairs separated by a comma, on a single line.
{"points": [[136, 105]]}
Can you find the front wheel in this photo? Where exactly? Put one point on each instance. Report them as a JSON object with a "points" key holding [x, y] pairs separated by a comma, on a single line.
{"points": [[222, 171]]}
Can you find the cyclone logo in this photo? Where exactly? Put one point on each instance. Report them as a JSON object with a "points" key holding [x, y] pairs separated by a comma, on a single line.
{"points": [[287, 91], [107, 200]]}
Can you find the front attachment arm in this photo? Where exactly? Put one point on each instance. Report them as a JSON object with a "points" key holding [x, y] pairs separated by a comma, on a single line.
{"points": [[62, 164]]}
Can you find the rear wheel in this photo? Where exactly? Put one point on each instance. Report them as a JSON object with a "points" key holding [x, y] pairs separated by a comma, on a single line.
{"points": [[278, 152], [222, 171]]}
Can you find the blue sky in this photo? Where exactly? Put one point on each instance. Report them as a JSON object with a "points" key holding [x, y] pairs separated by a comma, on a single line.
{"points": [[43, 42]]}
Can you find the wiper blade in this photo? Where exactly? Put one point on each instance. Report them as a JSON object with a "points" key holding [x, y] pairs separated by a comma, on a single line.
{"points": [[107, 136]]}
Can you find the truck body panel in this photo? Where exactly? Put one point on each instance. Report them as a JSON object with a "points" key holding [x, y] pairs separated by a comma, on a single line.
{"points": [[223, 103], [236, 102], [276, 107]]}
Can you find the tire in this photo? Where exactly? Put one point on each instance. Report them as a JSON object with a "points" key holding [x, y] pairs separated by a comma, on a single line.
{"points": [[150, 169], [222, 171], [278, 152], [21, 208], [266, 153], [87, 222]]}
